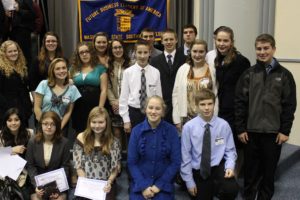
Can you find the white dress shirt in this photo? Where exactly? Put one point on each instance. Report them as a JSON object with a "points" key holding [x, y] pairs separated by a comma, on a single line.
{"points": [[172, 54], [131, 86]]}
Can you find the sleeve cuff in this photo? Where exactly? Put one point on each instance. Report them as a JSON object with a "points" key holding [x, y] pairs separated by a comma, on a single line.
{"points": [[190, 184]]}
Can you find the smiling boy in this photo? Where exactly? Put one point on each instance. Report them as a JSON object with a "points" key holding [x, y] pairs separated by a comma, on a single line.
{"points": [[264, 111]]}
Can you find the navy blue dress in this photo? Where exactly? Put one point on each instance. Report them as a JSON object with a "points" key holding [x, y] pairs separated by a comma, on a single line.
{"points": [[153, 159]]}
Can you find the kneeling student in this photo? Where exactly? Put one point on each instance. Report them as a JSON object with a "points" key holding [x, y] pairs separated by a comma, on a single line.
{"points": [[208, 153]]}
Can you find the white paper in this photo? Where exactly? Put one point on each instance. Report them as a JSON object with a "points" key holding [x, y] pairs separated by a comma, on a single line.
{"points": [[11, 165], [58, 175], [9, 4], [90, 188]]}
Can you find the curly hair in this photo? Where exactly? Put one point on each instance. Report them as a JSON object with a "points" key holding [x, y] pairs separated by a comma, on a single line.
{"points": [[44, 54], [8, 67], [76, 62]]}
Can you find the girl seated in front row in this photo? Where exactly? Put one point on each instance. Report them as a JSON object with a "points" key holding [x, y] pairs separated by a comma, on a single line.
{"points": [[97, 153]]}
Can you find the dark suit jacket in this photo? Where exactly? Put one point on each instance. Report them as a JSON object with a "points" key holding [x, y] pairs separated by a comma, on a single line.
{"points": [[167, 78], [35, 158]]}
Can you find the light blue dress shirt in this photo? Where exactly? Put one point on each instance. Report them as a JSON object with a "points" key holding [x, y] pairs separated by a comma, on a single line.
{"points": [[222, 146]]}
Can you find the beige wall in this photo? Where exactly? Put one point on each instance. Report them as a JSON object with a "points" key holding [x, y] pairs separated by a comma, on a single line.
{"points": [[287, 32]]}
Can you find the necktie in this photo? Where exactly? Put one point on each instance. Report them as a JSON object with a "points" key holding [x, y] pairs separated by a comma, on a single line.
{"points": [[206, 154], [170, 62], [143, 91], [268, 69]]}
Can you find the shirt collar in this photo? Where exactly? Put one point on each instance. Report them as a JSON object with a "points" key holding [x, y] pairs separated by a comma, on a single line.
{"points": [[173, 54], [211, 122], [146, 126], [140, 68]]}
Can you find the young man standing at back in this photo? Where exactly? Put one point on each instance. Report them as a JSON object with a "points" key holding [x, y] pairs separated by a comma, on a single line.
{"points": [[189, 33], [264, 111], [168, 63]]}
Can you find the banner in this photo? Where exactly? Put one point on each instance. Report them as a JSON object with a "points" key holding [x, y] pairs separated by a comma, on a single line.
{"points": [[121, 19]]}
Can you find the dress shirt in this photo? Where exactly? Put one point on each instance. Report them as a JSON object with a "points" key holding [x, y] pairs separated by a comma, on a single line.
{"points": [[270, 66], [191, 146], [186, 49], [131, 86], [173, 55]]}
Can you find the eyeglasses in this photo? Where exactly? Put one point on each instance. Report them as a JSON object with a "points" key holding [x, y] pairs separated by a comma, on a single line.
{"points": [[48, 125], [84, 52]]}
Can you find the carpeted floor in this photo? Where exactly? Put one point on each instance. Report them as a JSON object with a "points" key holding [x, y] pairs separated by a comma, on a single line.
{"points": [[287, 185]]}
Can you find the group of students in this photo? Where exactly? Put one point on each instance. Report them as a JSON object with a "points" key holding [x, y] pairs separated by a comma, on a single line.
{"points": [[215, 102]]}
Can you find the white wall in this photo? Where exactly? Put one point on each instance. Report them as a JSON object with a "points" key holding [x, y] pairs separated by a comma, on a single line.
{"points": [[243, 17], [287, 32]]}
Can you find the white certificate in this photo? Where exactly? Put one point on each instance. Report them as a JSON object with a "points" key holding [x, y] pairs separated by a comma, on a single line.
{"points": [[11, 165], [90, 188], [58, 175]]}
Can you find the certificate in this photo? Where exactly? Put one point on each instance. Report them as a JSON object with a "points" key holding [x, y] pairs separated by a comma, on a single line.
{"points": [[58, 175], [90, 188], [11, 165]]}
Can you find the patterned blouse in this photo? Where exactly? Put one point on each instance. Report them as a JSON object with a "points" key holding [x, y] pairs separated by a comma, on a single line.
{"points": [[96, 165], [194, 85]]}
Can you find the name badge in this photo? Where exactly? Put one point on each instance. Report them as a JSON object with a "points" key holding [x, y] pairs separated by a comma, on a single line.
{"points": [[219, 141]]}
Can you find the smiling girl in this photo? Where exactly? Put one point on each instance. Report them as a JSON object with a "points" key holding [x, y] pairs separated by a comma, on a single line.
{"points": [[13, 81], [96, 151], [153, 155], [190, 79], [55, 93]]}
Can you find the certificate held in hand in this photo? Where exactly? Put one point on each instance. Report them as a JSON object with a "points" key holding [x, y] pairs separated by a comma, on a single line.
{"points": [[90, 188]]}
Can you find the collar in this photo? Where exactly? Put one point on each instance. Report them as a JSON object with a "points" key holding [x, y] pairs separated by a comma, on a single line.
{"points": [[172, 53], [140, 68], [186, 49], [146, 126], [203, 122]]}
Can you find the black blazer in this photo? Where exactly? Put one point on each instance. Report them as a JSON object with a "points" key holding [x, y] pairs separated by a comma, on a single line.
{"points": [[167, 78], [35, 158]]}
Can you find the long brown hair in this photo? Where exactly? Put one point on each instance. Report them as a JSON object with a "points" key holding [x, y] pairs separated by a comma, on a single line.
{"points": [[106, 138], [189, 59], [231, 55], [44, 54], [57, 121], [51, 76], [76, 62]]}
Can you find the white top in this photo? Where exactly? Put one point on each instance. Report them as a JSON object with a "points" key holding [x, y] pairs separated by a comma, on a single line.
{"points": [[131, 86], [179, 95], [172, 54], [210, 57]]}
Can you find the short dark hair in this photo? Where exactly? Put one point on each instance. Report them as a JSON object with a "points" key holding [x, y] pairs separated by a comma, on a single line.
{"points": [[147, 29], [141, 42], [204, 94], [266, 38], [190, 26]]}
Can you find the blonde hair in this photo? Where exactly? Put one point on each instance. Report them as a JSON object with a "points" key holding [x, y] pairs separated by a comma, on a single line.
{"points": [[106, 138], [8, 67]]}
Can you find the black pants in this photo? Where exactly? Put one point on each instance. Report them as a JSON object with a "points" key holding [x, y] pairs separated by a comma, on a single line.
{"points": [[215, 185], [136, 116], [261, 157]]}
